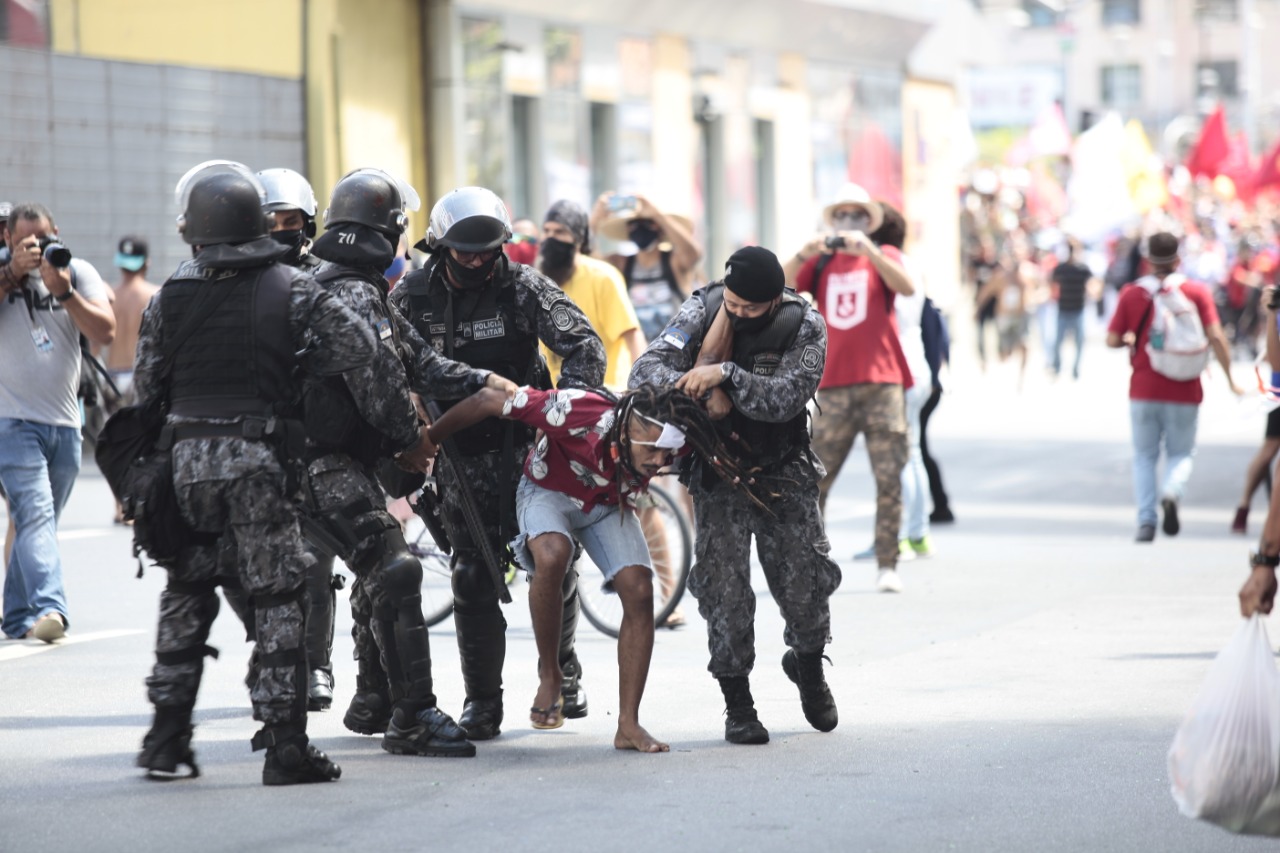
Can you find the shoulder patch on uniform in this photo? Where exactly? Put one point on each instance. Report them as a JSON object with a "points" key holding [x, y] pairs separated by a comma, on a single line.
{"points": [[811, 358], [675, 336], [562, 319]]}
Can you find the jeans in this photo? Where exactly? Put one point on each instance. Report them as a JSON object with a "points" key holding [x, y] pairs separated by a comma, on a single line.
{"points": [[1175, 423], [38, 467], [1073, 322], [915, 480]]}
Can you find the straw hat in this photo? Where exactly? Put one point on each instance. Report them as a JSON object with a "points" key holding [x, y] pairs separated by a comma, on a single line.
{"points": [[852, 195], [615, 227]]}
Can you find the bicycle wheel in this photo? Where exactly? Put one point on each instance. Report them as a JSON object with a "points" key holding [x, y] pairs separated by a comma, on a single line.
{"points": [[670, 541], [437, 576]]}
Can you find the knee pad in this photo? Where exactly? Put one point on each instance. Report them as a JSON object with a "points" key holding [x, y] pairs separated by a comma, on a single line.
{"points": [[472, 586], [398, 573]]}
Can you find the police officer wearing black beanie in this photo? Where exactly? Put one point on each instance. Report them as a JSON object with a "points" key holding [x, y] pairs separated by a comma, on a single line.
{"points": [[770, 348]]}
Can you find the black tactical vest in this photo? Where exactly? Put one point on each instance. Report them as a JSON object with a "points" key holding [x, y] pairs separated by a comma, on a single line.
{"points": [[759, 353], [489, 333], [240, 360]]}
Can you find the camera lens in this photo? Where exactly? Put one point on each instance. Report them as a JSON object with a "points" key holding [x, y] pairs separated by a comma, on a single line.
{"points": [[57, 255]]}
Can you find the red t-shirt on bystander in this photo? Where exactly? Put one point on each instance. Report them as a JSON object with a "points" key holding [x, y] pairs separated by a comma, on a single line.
{"points": [[1145, 383], [862, 329]]}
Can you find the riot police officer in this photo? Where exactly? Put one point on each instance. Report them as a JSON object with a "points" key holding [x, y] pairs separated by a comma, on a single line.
{"points": [[474, 305], [292, 205], [779, 346], [355, 421], [223, 340]]}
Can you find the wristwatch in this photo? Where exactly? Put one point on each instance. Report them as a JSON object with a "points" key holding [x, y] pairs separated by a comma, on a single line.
{"points": [[63, 297], [726, 370], [1257, 560]]}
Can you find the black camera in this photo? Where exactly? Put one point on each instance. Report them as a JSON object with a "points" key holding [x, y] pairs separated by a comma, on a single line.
{"points": [[55, 253], [1274, 302], [836, 243]]}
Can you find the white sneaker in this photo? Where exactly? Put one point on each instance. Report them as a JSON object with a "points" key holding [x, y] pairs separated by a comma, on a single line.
{"points": [[888, 581]]}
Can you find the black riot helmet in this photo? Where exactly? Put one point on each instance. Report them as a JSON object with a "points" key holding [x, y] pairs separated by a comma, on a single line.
{"points": [[221, 202], [469, 219], [374, 198]]}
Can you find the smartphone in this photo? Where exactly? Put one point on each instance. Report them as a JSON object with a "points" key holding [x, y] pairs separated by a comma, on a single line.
{"points": [[619, 203]]}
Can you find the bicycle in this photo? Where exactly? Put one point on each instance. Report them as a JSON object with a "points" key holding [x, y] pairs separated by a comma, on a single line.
{"points": [[670, 541], [670, 538]]}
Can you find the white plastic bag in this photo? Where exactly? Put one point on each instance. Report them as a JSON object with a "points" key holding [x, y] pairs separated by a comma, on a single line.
{"points": [[1224, 765]]}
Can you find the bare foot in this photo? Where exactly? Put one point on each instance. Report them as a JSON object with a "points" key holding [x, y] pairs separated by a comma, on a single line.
{"points": [[548, 705], [635, 737]]}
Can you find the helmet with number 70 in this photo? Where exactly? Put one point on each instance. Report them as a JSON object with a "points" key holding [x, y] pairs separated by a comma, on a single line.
{"points": [[374, 198]]}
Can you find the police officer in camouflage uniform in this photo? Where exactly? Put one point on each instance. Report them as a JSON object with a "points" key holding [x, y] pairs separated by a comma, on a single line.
{"points": [[355, 421], [474, 305], [292, 205], [778, 353], [244, 327]]}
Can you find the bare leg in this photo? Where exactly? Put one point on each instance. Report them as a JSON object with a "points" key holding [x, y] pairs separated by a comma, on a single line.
{"points": [[551, 555], [634, 586], [1257, 469]]}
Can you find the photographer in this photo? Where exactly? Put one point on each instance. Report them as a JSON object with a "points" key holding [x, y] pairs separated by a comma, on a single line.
{"points": [[49, 300], [853, 282], [1259, 592]]}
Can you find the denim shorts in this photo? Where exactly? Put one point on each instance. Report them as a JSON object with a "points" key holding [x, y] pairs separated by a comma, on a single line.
{"points": [[613, 540]]}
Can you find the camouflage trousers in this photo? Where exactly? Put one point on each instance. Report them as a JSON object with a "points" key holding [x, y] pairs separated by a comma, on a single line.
{"points": [[477, 615], [386, 597], [879, 413], [235, 489], [794, 554]]}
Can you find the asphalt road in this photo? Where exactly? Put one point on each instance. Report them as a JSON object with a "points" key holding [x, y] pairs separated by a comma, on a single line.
{"points": [[1021, 693]]}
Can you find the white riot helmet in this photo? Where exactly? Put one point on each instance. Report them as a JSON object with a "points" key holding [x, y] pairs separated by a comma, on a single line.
{"points": [[287, 190], [468, 219]]}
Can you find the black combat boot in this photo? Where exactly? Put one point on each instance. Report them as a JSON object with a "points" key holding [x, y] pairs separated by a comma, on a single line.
{"points": [[741, 725], [482, 718], [168, 744], [370, 710], [294, 761], [429, 731], [575, 695], [805, 669]]}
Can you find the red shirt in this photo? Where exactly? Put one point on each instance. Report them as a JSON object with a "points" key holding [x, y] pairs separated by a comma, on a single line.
{"points": [[862, 329], [570, 455], [1145, 383]]}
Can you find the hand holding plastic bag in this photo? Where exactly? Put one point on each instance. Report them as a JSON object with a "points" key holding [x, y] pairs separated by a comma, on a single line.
{"points": [[1224, 764]]}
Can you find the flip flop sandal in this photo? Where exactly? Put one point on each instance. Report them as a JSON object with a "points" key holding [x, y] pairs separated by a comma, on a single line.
{"points": [[557, 709]]}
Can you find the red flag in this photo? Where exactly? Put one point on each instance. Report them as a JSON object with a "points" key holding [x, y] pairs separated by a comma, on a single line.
{"points": [[1268, 173], [1211, 148], [1238, 166]]}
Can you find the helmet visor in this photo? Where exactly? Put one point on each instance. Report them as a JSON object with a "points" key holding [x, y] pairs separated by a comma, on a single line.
{"points": [[197, 173]]}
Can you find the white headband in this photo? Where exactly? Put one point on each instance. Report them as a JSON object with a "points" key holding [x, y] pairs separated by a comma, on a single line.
{"points": [[672, 437]]}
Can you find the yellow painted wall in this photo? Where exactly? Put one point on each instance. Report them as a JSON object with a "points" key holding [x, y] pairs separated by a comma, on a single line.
{"points": [[255, 36], [365, 94], [362, 66]]}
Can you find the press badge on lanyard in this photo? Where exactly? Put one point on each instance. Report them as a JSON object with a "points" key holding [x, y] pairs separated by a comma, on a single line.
{"points": [[41, 339]]}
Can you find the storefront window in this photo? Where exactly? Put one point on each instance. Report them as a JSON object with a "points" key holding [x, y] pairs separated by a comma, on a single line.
{"points": [[484, 132], [564, 119]]}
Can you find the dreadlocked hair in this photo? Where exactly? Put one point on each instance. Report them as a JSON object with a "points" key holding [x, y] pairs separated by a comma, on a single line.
{"points": [[670, 405]]}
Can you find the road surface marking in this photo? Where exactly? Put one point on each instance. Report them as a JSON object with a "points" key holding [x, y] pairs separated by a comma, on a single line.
{"points": [[15, 649]]}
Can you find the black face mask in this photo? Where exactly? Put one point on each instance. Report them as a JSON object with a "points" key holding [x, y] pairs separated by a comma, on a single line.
{"points": [[469, 278], [295, 240], [644, 236], [750, 325], [557, 255]]}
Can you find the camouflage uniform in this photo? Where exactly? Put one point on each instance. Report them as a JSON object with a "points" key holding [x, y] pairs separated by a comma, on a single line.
{"points": [[236, 488], [340, 486], [540, 309], [791, 542], [878, 411]]}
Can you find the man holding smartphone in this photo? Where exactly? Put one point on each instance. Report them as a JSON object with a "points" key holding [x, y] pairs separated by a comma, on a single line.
{"points": [[853, 282]]}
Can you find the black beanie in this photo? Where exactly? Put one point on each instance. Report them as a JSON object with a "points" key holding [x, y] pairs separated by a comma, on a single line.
{"points": [[574, 217], [754, 274]]}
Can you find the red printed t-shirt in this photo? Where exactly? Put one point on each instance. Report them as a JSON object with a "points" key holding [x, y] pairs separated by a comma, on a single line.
{"points": [[571, 455], [1145, 383], [862, 330]]}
